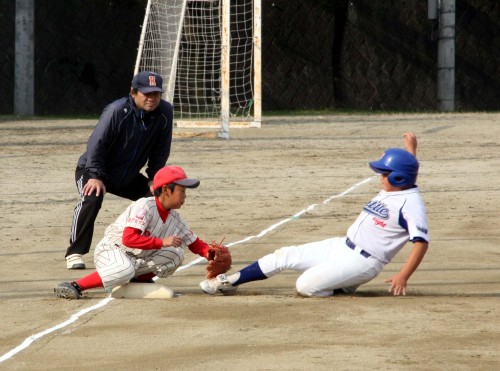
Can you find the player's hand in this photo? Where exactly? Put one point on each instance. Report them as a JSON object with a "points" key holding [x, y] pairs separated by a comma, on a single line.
{"points": [[398, 285], [174, 241], [410, 141], [94, 185]]}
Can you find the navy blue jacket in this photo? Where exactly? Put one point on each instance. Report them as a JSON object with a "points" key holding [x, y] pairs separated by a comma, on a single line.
{"points": [[125, 139]]}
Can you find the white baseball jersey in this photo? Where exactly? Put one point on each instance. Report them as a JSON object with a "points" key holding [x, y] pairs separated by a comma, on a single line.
{"points": [[117, 263], [388, 221], [143, 214]]}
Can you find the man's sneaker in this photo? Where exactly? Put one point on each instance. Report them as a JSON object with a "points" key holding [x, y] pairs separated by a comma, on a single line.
{"points": [[75, 261], [68, 290], [218, 284]]}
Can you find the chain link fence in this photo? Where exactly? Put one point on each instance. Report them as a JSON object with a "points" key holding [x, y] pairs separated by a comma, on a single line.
{"points": [[317, 54], [84, 54]]}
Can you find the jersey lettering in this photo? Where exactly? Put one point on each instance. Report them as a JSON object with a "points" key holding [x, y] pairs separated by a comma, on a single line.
{"points": [[422, 229], [379, 222], [377, 208], [141, 213], [134, 220]]}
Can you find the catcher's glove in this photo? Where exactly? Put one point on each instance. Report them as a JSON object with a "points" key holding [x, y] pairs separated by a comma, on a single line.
{"points": [[219, 259]]}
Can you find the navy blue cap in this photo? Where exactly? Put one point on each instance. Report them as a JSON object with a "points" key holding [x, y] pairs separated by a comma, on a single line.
{"points": [[147, 81]]}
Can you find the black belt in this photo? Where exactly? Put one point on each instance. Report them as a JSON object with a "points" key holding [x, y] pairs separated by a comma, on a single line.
{"points": [[352, 246]]}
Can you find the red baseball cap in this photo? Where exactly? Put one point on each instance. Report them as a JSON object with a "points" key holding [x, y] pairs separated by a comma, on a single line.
{"points": [[173, 174]]}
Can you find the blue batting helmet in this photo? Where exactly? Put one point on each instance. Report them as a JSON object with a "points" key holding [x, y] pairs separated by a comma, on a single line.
{"points": [[401, 166]]}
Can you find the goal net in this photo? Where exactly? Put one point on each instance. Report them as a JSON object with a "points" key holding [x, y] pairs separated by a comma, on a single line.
{"points": [[208, 52]]}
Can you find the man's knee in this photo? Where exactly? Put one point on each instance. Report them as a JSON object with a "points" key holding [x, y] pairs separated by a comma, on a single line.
{"points": [[93, 202], [304, 288], [122, 274], [167, 268]]}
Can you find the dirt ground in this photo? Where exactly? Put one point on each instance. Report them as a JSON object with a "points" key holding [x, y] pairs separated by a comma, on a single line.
{"points": [[251, 187]]}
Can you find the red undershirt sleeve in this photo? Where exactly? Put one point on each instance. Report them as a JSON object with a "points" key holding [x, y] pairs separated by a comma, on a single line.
{"points": [[199, 247], [133, 238]]}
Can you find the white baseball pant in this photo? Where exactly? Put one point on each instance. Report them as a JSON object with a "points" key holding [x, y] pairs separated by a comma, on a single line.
{"points": [[326, 265]]}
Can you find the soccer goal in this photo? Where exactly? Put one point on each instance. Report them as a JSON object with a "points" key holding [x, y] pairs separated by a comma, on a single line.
{"points": [[209, 53]]}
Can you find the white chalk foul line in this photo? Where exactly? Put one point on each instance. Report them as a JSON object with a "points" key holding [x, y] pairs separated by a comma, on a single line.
{"points": [[349, 189], [27, 342]]}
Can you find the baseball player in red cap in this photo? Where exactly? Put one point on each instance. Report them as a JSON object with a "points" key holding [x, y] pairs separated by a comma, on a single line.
{"points": [[148, 239], [132, 131]]}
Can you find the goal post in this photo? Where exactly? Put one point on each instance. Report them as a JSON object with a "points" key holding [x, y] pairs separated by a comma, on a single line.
{"points": [[209, 53]]}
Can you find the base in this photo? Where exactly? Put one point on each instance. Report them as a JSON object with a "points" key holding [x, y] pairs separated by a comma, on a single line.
{"points": [[142, 291]]}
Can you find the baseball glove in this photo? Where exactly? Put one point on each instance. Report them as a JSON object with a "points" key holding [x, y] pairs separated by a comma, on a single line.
{"points": [[219, 259]]}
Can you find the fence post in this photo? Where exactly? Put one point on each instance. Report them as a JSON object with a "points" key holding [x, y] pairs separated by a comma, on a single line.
{"points": [[24, 65], [446, 57]]}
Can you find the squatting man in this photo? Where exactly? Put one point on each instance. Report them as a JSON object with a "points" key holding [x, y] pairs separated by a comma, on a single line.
{"points": [[132, 131]]}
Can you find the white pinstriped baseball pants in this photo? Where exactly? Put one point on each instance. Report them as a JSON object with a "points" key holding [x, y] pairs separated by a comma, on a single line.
{"points": [[116, 266]]}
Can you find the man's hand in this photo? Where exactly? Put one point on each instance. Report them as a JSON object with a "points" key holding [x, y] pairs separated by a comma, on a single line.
{"points": [[94, 185], [398, 281], [398, 284], [410, 141], [174, 241]]}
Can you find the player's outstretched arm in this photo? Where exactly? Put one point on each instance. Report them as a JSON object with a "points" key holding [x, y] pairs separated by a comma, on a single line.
{"points": [[399, 281], [410, 142]]}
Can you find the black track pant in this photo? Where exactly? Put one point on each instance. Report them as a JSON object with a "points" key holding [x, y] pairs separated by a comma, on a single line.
{"points": [[88, 207]]}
